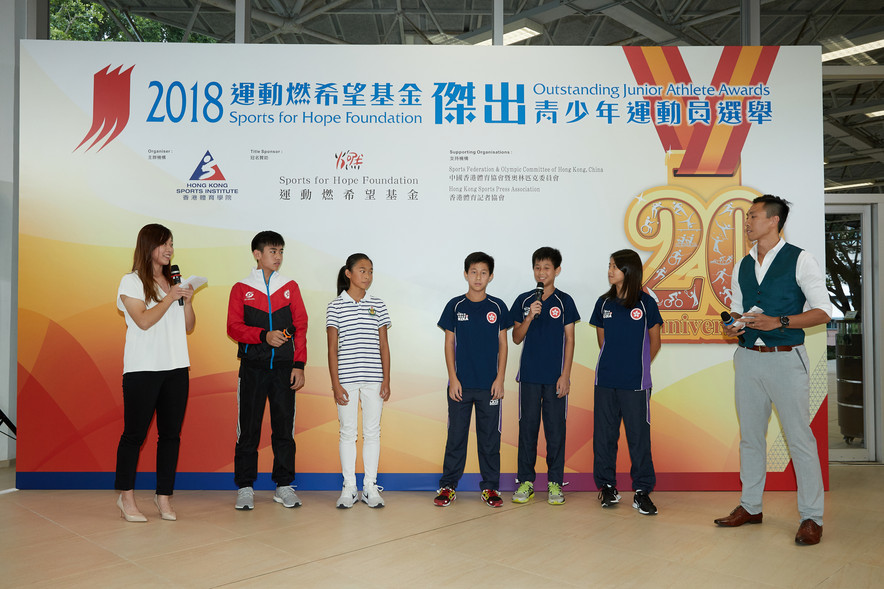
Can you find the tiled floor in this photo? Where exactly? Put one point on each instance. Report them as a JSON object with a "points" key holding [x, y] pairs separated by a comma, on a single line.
{"points": [[77, 539]]}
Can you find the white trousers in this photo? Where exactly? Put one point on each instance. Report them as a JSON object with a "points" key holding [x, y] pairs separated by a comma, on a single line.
{"points": [[372, 406]]}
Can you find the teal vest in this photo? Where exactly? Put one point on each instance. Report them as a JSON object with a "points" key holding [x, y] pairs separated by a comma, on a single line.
{"points": [[778, 295]]}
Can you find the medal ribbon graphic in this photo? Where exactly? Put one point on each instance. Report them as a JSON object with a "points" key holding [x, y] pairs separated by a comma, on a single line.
{"points": [[692, 224]]}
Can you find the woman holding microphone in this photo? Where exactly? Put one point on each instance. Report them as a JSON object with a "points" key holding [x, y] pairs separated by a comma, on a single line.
{"points": [[155, 367]]}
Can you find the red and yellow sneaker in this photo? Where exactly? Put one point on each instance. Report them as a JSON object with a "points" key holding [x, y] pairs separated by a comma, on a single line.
{"points": [[445, 497], [491, 498]]}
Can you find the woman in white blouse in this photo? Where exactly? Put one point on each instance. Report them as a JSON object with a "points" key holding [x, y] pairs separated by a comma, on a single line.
{"points": [[155, 367]]}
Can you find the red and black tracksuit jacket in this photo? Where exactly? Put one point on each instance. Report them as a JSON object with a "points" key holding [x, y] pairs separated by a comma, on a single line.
{"points": [[256, 307]]}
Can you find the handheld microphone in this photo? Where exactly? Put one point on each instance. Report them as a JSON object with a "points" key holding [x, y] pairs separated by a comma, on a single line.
{"points": [[538, 296], [176, 279], [728, 319]]}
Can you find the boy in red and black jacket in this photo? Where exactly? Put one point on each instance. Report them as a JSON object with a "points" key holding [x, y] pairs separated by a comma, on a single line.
{"points": [[267, 317]]}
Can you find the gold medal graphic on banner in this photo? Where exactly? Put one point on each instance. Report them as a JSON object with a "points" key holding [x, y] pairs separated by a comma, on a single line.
{"points": [[694, 224]]}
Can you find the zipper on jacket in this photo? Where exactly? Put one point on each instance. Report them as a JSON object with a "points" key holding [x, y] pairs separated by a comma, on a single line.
{"points": [[270, 313]]}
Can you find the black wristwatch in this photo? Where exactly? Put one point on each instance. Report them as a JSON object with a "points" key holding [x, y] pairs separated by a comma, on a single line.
{"points": [[784, 321]]}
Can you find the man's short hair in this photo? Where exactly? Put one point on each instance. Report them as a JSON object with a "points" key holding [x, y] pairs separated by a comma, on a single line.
{"points": [[479, 258], [774, 206], [547, 253], [265, 238]]}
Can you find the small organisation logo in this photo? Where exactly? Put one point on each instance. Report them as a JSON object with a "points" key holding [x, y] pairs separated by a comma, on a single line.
{"points": [[110, 106], [207, 183], [555, 312], [636, 314], [207, 169], [349, 160], [491, 316]]}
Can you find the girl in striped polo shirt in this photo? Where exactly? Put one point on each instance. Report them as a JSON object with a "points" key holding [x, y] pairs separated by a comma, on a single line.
{"points": [[359, 364]]}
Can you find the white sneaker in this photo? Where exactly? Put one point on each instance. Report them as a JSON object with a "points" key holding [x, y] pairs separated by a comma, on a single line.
{"points": [[371, 495], [245, 498], [347, 498]]}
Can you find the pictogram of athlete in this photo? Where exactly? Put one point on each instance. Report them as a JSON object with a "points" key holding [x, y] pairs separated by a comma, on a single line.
{"points": [[687, 221], [728, 208], [675, 258], [654, 208], [673, 301], [647, 226], [721, 276], [724, 229]]}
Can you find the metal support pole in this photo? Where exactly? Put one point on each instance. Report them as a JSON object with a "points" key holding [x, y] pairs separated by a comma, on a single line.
{"points": [[497, 26], [243, 21], [750, 22], [38, 19]]}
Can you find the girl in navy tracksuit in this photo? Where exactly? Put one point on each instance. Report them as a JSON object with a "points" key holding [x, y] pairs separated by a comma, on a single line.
{"points": [[627, 323]]}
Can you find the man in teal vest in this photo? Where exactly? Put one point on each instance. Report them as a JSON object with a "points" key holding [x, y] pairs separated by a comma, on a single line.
{"points": [[784, 290]]}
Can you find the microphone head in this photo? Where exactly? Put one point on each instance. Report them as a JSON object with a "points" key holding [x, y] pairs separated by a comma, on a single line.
{"points": [[174, 270], [540, 285], [725, 316]]}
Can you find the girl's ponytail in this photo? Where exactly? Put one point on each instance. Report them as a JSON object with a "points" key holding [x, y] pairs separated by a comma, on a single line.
{"points": [[343, 281]]}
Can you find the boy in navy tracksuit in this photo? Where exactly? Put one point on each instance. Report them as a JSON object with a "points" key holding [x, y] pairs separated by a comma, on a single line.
{"points": [[475, 327], [266, 316], [545, 324]]}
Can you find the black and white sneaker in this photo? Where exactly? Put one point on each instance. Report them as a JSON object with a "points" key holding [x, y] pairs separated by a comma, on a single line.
{"points": [[609, 496], [642, 502]]}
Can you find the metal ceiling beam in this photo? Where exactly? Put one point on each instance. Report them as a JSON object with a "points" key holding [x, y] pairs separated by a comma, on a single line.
{"points": [[287, 25], [632, 16], [852, 140], [196, 12], [854, 109], [852, 72]]}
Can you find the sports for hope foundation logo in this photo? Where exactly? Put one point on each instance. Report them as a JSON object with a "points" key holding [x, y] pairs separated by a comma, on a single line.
{"points": [[110, 106]]}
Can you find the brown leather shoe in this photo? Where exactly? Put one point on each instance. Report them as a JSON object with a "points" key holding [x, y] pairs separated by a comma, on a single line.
{"points": [[809, 533], [738, 517]]}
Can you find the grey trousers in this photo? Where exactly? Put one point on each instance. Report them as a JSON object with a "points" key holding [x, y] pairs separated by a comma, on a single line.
{"points": [[781, 378]]}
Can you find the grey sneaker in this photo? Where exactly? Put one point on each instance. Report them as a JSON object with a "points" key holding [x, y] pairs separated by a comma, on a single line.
{"points": [[371, 495], [555, 497], [524, 493], [286, 495], [347, 498], [245, 498]]}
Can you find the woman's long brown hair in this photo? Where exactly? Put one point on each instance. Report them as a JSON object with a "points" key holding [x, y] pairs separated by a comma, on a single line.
{"points": [[149, 238]]}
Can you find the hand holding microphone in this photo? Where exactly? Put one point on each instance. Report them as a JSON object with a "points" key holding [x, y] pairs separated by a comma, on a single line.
{"points": [[538, 297], [176, 279], [731, 324]]}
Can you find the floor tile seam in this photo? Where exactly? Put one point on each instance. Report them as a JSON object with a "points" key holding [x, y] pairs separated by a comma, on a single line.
{"points": [[368, 547], [762, 583], [165, 580]]}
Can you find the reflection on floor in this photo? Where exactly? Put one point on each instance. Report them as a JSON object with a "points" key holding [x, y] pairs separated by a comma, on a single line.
{"points": [[77, 539]]}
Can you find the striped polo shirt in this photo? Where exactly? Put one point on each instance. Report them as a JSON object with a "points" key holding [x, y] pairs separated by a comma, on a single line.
{"points": [[359, 347]]}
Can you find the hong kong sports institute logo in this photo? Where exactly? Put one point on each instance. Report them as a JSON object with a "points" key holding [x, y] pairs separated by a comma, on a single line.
{"points": [[207, 169], [110, 106]]}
